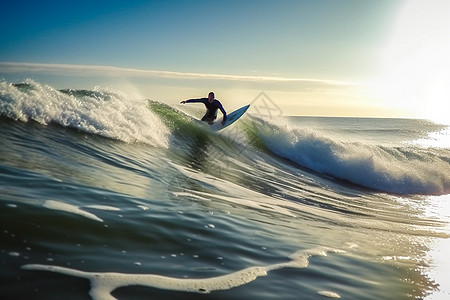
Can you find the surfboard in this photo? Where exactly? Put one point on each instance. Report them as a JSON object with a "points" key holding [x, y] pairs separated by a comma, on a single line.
{"points": [[231, 118]]}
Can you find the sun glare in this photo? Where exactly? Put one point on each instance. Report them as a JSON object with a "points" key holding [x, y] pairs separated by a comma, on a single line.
{"points": [[416, 61]]}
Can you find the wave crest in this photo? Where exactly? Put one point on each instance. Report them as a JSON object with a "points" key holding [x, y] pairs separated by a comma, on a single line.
{"points": [[99, 111], [398, 170]]}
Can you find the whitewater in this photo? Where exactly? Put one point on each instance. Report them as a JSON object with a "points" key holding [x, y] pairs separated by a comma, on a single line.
{"points": [[113, 195]]}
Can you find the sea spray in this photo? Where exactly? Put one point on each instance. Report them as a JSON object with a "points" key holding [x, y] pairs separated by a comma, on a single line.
{"points": [[405, 169], [99, 111]]}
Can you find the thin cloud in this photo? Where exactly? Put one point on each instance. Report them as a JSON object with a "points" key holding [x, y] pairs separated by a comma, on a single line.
{"points": [[109, 71]]}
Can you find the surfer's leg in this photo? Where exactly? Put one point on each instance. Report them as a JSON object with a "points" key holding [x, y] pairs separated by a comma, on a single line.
{"points": [[208, 117], [208, 120]]}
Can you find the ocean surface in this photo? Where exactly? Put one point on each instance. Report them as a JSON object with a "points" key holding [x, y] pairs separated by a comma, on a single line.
{"points": [[106, 195]]}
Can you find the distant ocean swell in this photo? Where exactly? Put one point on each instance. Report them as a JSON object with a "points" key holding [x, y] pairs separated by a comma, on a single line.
{"points": [[406, 169]]}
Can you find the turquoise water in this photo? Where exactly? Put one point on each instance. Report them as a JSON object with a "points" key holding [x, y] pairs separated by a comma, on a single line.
{"points": [[103, 195]]}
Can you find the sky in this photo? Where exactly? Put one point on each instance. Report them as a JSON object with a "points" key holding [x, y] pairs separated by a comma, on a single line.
{"points": [[383, 58]]}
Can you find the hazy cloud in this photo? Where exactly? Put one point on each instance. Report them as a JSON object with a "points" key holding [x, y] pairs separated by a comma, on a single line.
{"points": [[109, 71]]}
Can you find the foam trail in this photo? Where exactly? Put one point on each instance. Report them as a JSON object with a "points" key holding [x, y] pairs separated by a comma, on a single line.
{"points": [[102, 284], [61, 206]]}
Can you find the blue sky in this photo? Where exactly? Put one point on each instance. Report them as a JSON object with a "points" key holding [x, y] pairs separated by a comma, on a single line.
{"points": [[341, 41], [287, 37]]}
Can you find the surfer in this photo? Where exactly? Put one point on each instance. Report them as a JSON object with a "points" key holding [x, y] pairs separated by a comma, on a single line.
{"points": [[212, 105]]}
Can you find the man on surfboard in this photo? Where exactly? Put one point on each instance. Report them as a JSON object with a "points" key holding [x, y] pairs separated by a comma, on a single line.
{"points": [[212, 105]]}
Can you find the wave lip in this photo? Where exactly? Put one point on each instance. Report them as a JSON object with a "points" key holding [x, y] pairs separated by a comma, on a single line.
{"points": [[397, 170]]}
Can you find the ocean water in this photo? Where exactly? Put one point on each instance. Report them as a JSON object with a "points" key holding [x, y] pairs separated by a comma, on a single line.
{"points": [[105, 195]]}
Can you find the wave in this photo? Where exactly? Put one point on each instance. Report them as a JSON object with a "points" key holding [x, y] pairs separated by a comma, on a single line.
{"points": [[392, 169], [110, 114], [397, 170]]}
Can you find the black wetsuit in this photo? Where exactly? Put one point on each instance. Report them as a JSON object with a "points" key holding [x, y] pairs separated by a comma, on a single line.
{"points": [[211, 109]]}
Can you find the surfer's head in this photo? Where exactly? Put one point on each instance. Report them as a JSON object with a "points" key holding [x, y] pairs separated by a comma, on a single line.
{"points": [[211, 97]]}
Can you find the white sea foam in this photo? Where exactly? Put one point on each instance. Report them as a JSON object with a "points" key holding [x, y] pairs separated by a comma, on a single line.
{"points": [[399, 170], [102, 284], [110, 114], [329, 294], [61, 206], [103, 207]]}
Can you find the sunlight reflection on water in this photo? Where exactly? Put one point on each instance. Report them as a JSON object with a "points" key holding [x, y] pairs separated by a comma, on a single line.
{"points": [[438, 139], [439, 258]]}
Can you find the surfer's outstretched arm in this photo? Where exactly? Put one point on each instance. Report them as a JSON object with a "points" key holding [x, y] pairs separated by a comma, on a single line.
{"points": [[201, 100]]}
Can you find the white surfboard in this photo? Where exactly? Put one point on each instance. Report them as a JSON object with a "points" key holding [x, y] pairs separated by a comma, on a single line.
{"points": [[231, 118]]}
